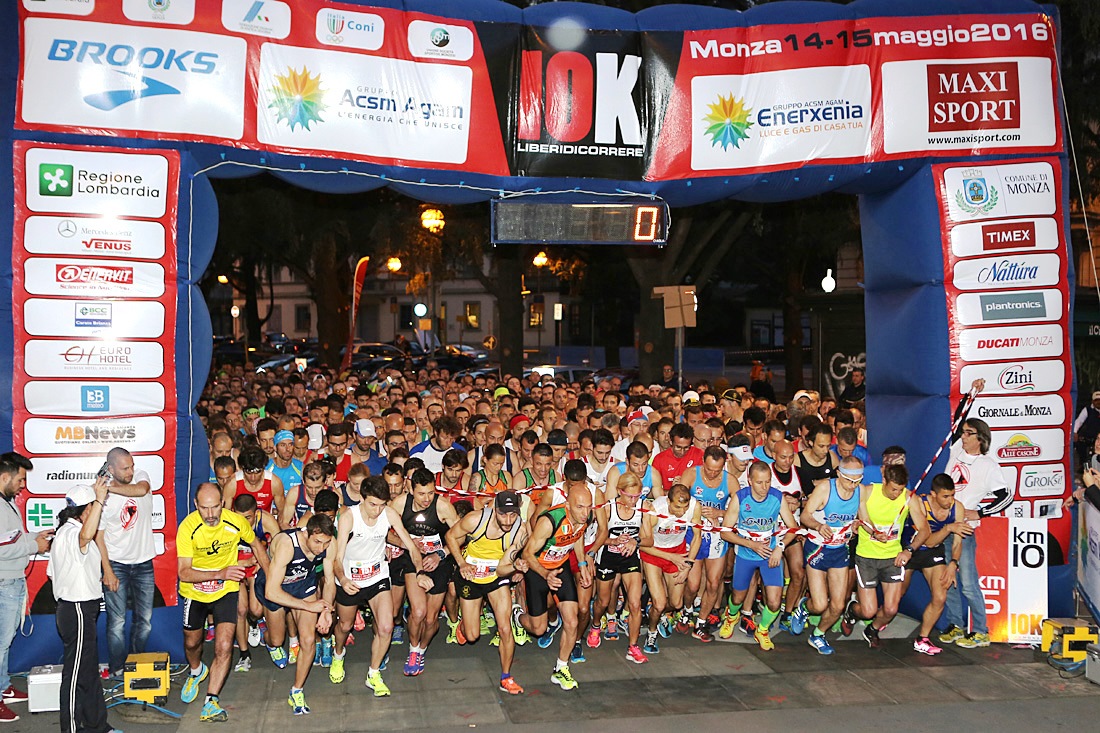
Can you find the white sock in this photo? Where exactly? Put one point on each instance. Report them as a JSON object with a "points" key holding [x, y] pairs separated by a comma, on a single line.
{"points": [[340, 655], [558, 664], [293, 641], [196, 671], [418, 649]]}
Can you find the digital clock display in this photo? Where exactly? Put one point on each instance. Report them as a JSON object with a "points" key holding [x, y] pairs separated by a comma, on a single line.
{"points": [[557, 223]]}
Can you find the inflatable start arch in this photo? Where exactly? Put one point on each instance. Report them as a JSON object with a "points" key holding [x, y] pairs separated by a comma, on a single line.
{"points": [[944, 117]]}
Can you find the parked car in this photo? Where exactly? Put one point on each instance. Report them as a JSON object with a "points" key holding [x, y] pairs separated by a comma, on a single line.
{"points": [[628, 376], [571, 372]]}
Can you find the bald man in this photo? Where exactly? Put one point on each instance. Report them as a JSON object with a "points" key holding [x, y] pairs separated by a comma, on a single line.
{"points": [[206, 548]]}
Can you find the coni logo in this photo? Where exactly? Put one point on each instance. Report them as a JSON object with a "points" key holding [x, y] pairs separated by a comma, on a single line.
{"points": [[55, 179]]}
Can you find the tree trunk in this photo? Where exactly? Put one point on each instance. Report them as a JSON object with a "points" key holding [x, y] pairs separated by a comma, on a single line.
{"points": [[792, 329], [330, 288], [508, 291]]}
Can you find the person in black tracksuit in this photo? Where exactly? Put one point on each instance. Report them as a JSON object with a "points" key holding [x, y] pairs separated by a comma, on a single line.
{"points": [[77, 574]]}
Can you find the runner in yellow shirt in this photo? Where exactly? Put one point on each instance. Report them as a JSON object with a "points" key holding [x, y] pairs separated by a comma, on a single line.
{"points": [[206, 546]]}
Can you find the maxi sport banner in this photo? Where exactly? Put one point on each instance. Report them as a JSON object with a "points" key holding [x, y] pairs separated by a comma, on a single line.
{"points": [[943, 116]]}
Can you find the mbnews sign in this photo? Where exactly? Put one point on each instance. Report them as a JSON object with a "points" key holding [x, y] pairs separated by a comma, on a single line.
{"points": [[397, 87]]}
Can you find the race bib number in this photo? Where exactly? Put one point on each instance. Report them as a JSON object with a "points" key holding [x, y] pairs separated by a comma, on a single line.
{"points": [[209, 586], [555, 554], [891, 533], [395, 551], [483, 569], [362, 573], [428, 544]]}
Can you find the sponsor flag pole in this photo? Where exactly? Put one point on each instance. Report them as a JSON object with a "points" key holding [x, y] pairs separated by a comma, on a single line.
{"points": [[356, 291], [968, 397]]}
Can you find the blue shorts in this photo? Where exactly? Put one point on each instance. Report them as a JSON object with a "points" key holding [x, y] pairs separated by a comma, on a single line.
{"points": [[711, 546], [828, 558], [744, 568]]}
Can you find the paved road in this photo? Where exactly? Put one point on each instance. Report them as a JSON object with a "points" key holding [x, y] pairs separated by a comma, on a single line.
{"points": [[687, 684]]}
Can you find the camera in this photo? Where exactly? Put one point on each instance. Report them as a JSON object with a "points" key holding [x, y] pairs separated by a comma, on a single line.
{"points": [[104, 471]]}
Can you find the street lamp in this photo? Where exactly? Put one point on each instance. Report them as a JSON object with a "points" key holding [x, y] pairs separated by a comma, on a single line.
{"points": [[828, 283], [432, 220], [393, 264], [540, 260], [223, 279]]}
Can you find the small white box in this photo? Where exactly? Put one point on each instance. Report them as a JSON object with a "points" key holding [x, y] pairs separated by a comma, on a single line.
{"points": [[44, 689], [1092, 663]]}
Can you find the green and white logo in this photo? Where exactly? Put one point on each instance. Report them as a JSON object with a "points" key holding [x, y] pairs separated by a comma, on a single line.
{"points": [[55, 179], [40, 516]]}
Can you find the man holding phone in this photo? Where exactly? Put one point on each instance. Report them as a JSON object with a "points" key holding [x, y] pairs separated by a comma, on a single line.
{"points": [[16, 549]]}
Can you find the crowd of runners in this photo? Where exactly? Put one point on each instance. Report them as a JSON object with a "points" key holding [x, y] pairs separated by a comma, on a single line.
{"points": [[532, 511]]}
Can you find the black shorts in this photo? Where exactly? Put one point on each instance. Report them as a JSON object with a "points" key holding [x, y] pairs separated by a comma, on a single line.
{"points": [[470, 591], [363, 596], [538, 592], [441, 576], [224, 611], [852, 551], [612, 563], [927, 557]]}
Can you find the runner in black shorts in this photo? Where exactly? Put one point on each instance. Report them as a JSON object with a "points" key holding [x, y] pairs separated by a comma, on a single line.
{"points": [[932, 519], [426, 517], [486, 547], [291, 584], [619, 556], [557, 533]]}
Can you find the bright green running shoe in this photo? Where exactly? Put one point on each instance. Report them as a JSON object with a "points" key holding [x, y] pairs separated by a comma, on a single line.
{"points": [[336, 671], [374, 681]]}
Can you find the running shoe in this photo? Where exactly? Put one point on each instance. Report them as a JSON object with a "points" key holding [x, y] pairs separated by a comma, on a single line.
{"points": [[385, 663], [547, 637], [611, 633], [763, 639], [799, 618], [870, 635], [973, 641], [593, 638], [924, 645], [784, 625], [278, 656], [509, 685], [518, 633], [460, 635], [634, 654], [664, 626], [255, 636], [213, 712], [747, 624], [650, 646], [374, 681], [360, 622], [326, 651], [209, 637], [336, 671], [244, 664], [297, 700], [819, 642], [399, 635], [295, 648], [317, 654], [495, 641], [485, 625], [191, 685], [564, 679], [847, 620], [702, 633], [577, 655], [452, 631], [729, 624], [951, 634], [350, 641], [683, 624], [414, 665]]}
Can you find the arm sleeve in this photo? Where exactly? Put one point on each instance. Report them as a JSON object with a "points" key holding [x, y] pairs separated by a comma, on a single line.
{"points": [[999, 491]]}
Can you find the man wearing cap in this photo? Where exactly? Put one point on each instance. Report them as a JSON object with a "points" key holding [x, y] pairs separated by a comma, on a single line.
{"points": [[486, 546], [364, 437], [729, 406], [125, 539], [283, 464], [76, 571], [1086, 428], [444, 431]]}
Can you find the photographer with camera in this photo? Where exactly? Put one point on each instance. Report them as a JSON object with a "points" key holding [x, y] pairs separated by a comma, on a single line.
{"points": [[125, 540]]}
